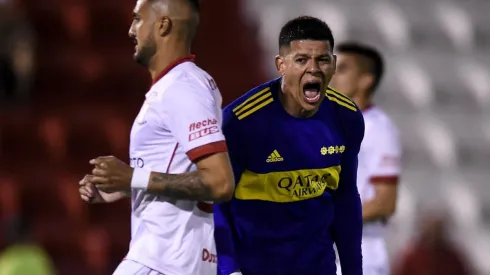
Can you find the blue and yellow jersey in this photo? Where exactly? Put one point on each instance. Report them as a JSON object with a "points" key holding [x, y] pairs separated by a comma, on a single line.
{"points": [[296, 188]]}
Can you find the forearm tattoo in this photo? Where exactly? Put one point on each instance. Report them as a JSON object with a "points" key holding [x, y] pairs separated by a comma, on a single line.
{"points": [[186, 186]]}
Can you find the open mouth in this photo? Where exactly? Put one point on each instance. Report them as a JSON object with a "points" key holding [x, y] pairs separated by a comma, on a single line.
{"points": [[311, 90]]}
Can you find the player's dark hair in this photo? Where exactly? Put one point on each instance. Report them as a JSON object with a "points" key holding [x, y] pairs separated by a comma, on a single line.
{"points": [[372, 60], [305, 28], [194, 4]]}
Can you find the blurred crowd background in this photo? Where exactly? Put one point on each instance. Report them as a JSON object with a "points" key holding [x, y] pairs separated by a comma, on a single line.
{"points": [[69, 91]]}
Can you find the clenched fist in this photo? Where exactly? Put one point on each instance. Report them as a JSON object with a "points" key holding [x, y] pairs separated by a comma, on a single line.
{"points": [[110, 175]]}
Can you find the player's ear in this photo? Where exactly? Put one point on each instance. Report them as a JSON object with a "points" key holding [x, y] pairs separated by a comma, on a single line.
{"points": [[333, 65], [164, 25], [280, 66]]}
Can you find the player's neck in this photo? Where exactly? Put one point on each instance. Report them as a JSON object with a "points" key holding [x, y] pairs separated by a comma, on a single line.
{"points": [[362, 102], [163, 60]]}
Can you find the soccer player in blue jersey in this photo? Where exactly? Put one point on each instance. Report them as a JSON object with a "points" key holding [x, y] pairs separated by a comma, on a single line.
{"points": [[293, 143]]}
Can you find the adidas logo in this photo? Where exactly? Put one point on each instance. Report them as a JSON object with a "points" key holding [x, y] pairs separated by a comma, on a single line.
{"points": [[274, 157]]}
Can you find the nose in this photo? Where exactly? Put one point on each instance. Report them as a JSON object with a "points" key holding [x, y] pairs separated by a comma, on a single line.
{"points": [[313, 67], [131, 32]]}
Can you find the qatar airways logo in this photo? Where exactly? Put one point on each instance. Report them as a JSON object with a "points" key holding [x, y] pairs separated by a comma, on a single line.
{"points": [[203, 128]]}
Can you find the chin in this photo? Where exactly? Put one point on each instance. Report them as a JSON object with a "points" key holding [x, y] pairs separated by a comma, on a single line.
{"points": [[140, 59], [310, 106]]}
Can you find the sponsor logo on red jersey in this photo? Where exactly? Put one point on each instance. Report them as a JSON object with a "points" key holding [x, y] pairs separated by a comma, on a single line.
{"points": [[203, 128]]}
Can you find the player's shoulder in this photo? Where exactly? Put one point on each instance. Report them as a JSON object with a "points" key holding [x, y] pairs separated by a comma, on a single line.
{"points": [[347, 113], [192, 76], [252, 103], [341, 102], [187, 80], [379, 120]]}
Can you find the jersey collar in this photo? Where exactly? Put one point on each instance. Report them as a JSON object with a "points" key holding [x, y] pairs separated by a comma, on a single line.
{"points": [[172, 65]]}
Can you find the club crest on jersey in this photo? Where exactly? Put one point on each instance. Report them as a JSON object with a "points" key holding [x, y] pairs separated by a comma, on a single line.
{"points": [[332, 150]]}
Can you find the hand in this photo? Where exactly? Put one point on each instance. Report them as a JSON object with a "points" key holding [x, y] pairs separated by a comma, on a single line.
{"points": [[110, 175], [89, 193]]}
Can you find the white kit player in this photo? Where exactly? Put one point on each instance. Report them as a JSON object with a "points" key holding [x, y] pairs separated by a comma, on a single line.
{"points": [[359, 71], [179, 162]]}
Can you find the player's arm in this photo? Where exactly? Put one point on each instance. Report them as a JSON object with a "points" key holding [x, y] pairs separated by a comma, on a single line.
{"points": [[385, 179], [383, 204], [223, 235], [223, 220], [194, 120], [347, 226], [213, 181]]}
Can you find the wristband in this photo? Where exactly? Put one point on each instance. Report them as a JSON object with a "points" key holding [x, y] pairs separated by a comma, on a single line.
{"points": [[140, 178]]}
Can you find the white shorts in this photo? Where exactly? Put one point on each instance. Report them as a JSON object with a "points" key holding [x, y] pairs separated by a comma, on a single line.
{"points": [[128, 267]]}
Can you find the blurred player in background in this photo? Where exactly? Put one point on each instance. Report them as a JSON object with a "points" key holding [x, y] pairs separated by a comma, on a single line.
{"points": [[359, 72], [293, 144], [177, 133]]}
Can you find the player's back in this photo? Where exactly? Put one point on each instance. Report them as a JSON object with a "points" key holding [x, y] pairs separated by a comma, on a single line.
{"points": [[169, 133], [283, 207]]}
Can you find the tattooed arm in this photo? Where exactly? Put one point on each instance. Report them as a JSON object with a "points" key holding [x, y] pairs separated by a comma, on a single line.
{"points": [[213, 181]]}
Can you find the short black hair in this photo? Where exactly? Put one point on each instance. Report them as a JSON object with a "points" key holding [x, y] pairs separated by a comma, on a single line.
{"points": [[305, 28], [194, 4], [373, 61]]}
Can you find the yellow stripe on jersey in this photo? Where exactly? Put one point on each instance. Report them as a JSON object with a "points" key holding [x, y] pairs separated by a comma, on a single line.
{"points": [[341, 95], [287, 186], [341, 103], [251, 98], [253, 110], [253, 103], [341, 99]]}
